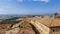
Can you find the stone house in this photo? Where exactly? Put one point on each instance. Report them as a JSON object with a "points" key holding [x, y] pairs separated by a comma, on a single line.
{"points": [[47, 24]]}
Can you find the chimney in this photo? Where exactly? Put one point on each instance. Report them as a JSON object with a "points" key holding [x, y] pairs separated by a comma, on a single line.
{"points": [[55, 15]]}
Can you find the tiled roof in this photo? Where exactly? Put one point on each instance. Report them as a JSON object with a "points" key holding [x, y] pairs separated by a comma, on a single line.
{"points": [[48, 21], [55, 22]]}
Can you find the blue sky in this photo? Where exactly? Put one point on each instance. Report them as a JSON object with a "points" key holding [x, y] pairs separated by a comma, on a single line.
{"points": [[29, 7]]}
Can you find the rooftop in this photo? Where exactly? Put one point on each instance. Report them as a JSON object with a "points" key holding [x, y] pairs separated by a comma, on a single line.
{"points": [[48, 20]]}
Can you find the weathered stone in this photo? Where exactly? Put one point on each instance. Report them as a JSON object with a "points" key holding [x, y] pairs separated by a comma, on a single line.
{"points": [[13, 31]]}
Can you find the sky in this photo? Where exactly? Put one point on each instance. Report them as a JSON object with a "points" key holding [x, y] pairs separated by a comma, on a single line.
{"points": [[29, 7]]}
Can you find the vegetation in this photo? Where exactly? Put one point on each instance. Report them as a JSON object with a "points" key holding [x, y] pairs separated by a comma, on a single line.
{"points": [[10, 19]]}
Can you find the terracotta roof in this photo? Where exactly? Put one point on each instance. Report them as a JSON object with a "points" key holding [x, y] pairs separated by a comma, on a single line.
{"points": [[55, 22], [48, 21]]}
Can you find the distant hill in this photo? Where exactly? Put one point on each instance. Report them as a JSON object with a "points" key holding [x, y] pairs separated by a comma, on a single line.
{"points": [[10, 19]]}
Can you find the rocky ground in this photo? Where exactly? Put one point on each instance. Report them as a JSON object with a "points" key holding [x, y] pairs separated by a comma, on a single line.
{"points": [[20, 27]]}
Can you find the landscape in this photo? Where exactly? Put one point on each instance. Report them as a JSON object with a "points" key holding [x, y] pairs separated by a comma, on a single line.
{"points": [[30, 24], [29, 16]]}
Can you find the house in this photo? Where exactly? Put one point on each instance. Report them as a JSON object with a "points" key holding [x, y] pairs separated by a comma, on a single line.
{"points": [[47, 24]]}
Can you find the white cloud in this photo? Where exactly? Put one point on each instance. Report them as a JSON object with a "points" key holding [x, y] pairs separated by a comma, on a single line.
{"points": [[45, 0], [34, 0], [42, 0], [29, 0]]}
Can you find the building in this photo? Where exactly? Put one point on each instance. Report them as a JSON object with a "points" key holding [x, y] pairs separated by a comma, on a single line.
{"points": [[47, 24]]}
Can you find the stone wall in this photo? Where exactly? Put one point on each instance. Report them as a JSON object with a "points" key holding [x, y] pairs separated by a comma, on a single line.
{"points": [[41, 28], [55, 30]]}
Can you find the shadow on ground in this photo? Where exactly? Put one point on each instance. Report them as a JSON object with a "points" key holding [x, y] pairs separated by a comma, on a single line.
{"points": [[36, 31]]}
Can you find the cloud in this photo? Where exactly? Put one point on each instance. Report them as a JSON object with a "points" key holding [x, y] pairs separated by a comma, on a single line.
{"points": [[42, 0], [34, 0], [29, 0], [45, 0]]}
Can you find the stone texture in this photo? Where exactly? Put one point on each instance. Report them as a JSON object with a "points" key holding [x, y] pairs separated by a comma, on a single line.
{"points": [[23, 27]]}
